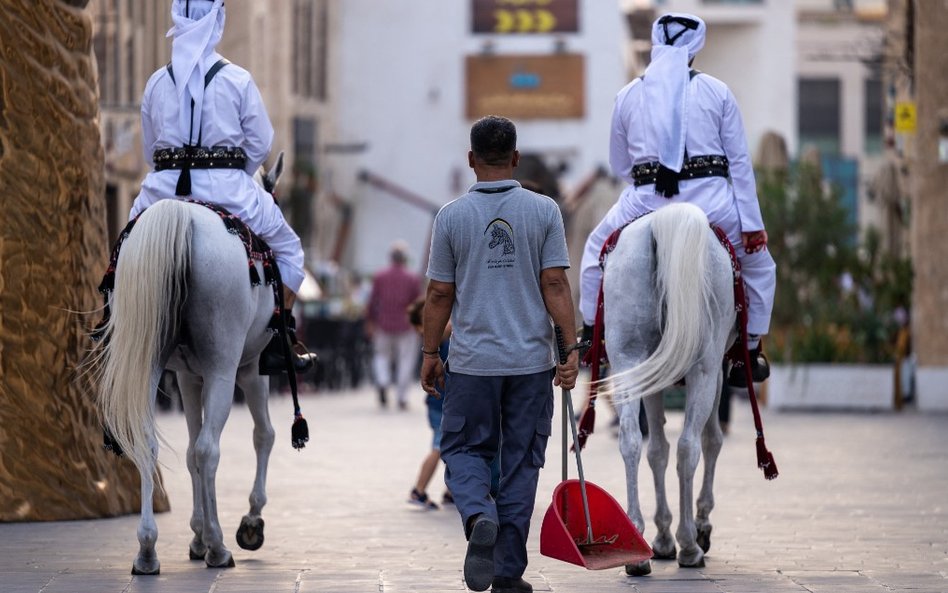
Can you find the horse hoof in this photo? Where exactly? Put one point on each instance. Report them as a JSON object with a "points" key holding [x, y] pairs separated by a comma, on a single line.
{"points": [[250, 533], [226, 560], [660, 554], [704, 538], [638, 570], [684, 561], [146, 569], [195, 553]]}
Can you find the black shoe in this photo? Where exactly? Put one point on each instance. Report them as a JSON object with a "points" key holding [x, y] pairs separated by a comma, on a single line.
{"points": [[272, 361], [383, 397], [760, 369], [511, 585], [479, 560]]}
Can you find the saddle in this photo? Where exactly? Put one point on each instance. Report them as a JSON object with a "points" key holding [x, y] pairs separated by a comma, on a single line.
{"points": [[255, 247]]}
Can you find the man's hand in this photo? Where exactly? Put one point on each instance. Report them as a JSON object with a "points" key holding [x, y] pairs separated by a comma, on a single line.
{"points": [[566, 373], [755, 241], [432, 375]]}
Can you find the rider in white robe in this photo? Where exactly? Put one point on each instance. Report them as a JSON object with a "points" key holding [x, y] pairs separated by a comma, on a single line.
{"points": [[662, 117], [185, 106], [231, 113]]}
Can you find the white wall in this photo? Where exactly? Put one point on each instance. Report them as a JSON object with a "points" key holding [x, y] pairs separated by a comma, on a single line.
{"points": [[398, 84]]}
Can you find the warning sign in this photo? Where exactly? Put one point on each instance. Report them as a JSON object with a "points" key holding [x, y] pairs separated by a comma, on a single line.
{"points": [[905, 117]]}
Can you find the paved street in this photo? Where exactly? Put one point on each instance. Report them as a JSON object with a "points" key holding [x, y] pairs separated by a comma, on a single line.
{"points": [[861, 506]]}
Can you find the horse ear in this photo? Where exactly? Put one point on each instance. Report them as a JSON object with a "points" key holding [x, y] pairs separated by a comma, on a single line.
{"points": [[272, 177]]}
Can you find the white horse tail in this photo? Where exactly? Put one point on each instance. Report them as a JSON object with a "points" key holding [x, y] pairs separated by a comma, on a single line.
{"points": [[684, 291], [150, 287]]}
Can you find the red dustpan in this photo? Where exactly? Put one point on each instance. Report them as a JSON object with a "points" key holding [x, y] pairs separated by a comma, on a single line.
{"points": [[564, 536], [584, 524]]}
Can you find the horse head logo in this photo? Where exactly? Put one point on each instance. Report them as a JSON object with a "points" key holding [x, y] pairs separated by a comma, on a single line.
{"points": [[501, 233]]}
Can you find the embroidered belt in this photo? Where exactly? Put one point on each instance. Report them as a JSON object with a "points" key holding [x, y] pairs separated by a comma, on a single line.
{"points": [[714, 165], [200, 157]]}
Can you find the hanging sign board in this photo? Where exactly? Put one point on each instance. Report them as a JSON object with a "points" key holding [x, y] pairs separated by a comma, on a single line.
{"points": [[905, 117], [526, 86], [525, 16]]}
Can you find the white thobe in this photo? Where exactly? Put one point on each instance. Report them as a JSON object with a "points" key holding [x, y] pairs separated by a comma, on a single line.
{"points": [[233, 115], [713, 127]]}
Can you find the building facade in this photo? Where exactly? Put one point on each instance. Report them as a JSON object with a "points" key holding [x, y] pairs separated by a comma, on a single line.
{"points": [[283, 43], [414, 77]]}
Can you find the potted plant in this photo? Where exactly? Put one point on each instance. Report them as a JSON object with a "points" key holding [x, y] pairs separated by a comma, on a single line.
{"points": [[841, 300]]}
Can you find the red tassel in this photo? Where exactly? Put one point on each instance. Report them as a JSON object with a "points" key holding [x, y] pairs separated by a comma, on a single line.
{"points": [[765, 460]]}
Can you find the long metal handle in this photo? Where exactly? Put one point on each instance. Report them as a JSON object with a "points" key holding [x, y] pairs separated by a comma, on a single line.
{"points": [[568, 411]]}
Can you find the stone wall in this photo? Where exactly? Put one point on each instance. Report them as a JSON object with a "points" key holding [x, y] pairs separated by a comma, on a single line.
{"points": [[52, 253]]}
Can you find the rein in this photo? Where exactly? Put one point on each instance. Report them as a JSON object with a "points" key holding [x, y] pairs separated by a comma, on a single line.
{"points": [[739, 354]]}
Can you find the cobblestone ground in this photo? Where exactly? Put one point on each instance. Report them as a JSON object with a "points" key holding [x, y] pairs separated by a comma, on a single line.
{"points": [[861, 506]]}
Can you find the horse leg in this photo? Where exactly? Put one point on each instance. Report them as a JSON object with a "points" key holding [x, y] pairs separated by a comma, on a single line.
{"points": [[146, 563], [630, 445], [698, 405], [190, 386], [711, 440], [218, 394], [663, 546], [256, 388]]}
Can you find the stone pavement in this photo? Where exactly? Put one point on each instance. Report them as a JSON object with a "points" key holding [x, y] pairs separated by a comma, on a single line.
{"points": [[861, 506]]}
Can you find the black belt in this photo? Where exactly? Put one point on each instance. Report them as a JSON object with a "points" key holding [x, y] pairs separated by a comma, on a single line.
{"points": [[200, 157], [714, 165]]}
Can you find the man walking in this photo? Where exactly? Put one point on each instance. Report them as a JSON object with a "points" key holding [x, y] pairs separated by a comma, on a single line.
{"points": [[394, 340], [497, 270], [677, 136]]}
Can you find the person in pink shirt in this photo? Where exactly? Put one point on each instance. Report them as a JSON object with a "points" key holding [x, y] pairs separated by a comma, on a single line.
{"points": [[394, 340]]}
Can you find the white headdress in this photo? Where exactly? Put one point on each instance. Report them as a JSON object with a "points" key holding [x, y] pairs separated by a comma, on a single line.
{"points": [[198, 28], [676, 38]]}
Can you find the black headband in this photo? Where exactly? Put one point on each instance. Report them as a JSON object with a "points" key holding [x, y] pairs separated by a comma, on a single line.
{"points": [[683, 21]]}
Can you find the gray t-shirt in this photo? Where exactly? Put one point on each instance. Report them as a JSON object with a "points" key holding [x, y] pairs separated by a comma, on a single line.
{"points": [[492, 243]]}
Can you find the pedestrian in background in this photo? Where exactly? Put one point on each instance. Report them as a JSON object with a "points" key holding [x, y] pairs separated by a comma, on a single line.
{"points": [[497, 271], [419, 494], [394, 341]]}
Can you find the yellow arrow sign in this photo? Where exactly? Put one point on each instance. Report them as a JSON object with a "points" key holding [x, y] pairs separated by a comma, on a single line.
{"points": [[524, 21], [505, 21], [545, 21]]}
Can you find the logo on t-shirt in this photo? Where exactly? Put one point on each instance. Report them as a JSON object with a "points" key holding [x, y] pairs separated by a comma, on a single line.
{"points": [[501, 244]]}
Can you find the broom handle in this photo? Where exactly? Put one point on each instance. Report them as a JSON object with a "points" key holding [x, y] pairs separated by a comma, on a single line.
{"points": [[565, 429], [568, 400]]}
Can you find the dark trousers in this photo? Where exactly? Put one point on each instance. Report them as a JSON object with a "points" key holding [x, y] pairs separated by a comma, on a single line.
{"points": [[482, 415]]}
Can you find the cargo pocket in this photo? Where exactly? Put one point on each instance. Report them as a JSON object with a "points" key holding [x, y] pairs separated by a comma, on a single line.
{"points": [[452, 432], [543, 432]]}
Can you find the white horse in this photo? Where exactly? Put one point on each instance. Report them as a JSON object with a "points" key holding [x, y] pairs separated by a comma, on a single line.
{"points": [[669, 314], [183, 301]]}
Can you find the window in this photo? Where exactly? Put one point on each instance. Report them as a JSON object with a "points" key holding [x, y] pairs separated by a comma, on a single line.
{"points": [[310, 30], [819, 114], [873, 123]]}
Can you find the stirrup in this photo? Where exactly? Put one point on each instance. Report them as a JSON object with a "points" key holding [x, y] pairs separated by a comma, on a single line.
{"points": [[272, 361], [760, 369]]}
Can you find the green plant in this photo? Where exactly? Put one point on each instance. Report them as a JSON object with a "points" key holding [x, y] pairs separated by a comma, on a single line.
{"points": [[837, 294]]}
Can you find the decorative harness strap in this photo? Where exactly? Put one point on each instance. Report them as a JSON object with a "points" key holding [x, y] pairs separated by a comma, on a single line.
{"points": [[738, 353]]}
